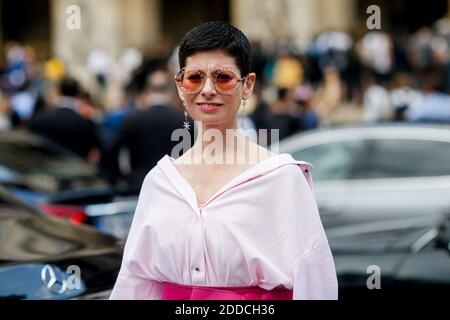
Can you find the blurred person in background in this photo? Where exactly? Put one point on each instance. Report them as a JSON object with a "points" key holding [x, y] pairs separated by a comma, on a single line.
{"points": [[446, 77], [5, 121], [15, 72], [333, 48], [100, 64], [22, 83], [442, 49], [376, 100], [288, 71], [285, 72], [134, 97], [259, 61], [25, 103], [307, 117], [260, 113], [434, 105], [329, 95], [278, 114], [403, 95], [420, 49], [376, 51], [88, 108], [146, 132], [64, 124], [53, 69], [282, 113]]}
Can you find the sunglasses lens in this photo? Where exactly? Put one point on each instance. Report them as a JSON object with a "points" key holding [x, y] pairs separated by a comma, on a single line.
{"points": [[191, 81], [226, 81]]}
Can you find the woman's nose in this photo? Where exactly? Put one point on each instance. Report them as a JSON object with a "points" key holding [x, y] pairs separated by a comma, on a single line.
{"points": [[208, 88]]}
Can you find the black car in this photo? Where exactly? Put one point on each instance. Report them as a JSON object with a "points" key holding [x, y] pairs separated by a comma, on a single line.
{"points": [[45, 257], [393, 258], [60, 183]]}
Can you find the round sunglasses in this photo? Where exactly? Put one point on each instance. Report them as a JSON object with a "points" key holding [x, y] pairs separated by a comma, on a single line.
{"points": [[192, 80]]}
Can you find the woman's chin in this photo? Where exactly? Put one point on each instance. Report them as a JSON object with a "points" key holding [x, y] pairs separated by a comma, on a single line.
{"points": [[214, 122]]}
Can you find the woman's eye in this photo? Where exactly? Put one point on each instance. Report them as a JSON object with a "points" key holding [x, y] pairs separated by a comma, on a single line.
{"points": [[223, 77], [194, 78]]}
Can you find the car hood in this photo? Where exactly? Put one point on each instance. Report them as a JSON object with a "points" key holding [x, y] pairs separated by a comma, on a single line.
{"points": [[28, 238]]}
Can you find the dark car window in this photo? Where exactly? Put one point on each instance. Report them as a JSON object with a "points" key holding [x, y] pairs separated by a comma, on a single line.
{"points": [[36, 157], [331, 161], [404, 158]]}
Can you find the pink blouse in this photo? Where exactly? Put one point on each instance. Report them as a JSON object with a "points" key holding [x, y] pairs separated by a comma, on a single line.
{"points": [[260, 229]]}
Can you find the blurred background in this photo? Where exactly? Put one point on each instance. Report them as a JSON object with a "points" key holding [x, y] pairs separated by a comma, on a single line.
{"points": [[88, 105]]}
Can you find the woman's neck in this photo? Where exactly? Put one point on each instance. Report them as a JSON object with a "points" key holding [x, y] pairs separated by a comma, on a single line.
{"points": [[220, 145]]}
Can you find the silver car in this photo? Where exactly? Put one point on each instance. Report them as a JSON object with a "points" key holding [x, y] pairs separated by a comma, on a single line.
{"points": [[364, 174]]}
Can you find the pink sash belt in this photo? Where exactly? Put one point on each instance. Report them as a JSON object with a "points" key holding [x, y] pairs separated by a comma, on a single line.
{"points": [[173, 291]]}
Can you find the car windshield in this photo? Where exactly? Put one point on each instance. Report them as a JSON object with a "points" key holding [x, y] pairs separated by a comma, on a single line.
{"points": [[37, 157], [331, 161]]}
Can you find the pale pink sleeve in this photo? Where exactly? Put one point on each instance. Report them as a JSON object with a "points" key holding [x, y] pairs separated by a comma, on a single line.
{"points": [[133, 281], [314, 275], [313, 271], [130, 287]]}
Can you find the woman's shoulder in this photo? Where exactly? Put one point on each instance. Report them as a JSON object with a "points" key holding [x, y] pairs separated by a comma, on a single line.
{"points": [[288, 169], [261, 152], [157, 172]]}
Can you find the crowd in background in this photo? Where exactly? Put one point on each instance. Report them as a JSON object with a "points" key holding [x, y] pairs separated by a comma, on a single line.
{"points": [[338, 78]]}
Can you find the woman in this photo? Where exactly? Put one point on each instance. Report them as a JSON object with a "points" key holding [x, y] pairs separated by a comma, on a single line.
{"points": [[224, 229]]}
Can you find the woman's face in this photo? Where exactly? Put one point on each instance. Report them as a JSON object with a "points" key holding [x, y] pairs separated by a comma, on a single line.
{"points": [[213, 108]]}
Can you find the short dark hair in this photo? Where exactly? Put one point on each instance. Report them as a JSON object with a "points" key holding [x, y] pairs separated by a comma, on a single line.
{"points": [[217, 35], [69, 87]]}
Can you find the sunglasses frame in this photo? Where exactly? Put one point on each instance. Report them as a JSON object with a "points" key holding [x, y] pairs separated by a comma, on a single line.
{"points": [[179, 81]]}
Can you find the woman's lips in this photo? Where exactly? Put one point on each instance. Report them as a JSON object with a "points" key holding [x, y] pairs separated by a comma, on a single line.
{"points": [[209, 107]]}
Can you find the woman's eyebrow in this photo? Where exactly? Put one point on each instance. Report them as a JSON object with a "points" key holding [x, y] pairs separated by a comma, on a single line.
{"points": [[214, 67]]}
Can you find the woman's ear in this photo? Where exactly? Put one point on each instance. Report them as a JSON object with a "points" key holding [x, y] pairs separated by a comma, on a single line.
{"points": [[249, 85]]}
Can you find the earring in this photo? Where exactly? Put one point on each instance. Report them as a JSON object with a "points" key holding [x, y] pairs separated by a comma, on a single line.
{"points": [[186, 124], [241, 120]]}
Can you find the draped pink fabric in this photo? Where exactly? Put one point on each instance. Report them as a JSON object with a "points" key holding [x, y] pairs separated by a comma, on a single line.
{"points": [[261, 229], [180, 292]]}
